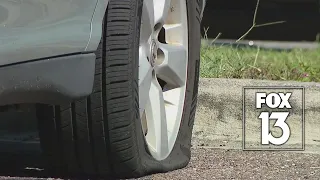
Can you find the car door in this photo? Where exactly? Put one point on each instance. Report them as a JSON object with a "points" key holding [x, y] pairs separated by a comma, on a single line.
{"points": [[35, 29]]}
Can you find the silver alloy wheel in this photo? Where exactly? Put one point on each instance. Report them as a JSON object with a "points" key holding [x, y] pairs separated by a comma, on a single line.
{"points": [[163, 63]]}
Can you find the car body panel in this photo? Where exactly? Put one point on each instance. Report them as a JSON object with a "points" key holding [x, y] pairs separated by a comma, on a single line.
{"points": [[37, 29], [96, 25], [56, 80], [33, 29], [47, 49]]}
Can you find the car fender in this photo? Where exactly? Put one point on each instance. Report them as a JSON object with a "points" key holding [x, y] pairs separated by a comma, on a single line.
{"points": [[96, 25], [38, 29]]}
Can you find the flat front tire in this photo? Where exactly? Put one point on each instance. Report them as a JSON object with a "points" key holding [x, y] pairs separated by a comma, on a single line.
{"points": [[140, 115]]}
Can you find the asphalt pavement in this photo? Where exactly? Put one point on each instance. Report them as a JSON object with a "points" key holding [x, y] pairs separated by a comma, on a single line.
{"points": [[206, 164]]}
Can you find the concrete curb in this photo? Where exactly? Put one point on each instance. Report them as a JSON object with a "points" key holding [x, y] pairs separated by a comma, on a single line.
{"points": [[274, 45], [218, 121]]}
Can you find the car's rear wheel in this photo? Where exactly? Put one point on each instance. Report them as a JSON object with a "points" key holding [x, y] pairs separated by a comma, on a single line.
{"points": [[139, 117]]}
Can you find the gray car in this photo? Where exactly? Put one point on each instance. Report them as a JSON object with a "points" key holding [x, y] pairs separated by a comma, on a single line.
{"points": [[114, 82]]}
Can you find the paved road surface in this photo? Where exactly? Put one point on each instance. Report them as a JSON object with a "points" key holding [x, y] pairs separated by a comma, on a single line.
{"points": [[205, 164], [232, 164]]}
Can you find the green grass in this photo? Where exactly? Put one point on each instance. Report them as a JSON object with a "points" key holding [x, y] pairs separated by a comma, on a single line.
{"points": [[253, 63]]}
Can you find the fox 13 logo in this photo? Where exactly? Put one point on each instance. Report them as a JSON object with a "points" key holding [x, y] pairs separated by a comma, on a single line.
{"points": [[273, 118]]}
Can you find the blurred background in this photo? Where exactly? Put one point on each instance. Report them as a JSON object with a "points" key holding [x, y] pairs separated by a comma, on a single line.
{"points": [[233, 18]]}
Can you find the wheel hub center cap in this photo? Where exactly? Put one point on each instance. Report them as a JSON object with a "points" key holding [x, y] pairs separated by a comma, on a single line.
{"points": [[153, 52]]}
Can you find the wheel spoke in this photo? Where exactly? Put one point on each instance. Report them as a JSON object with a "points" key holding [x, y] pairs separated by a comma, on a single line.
{"points": [[145, 78], [147, 22], [161, 11], [174, 34], [157, 136], [173, 68], [172, 99], [172, 96], [155, 11]]}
